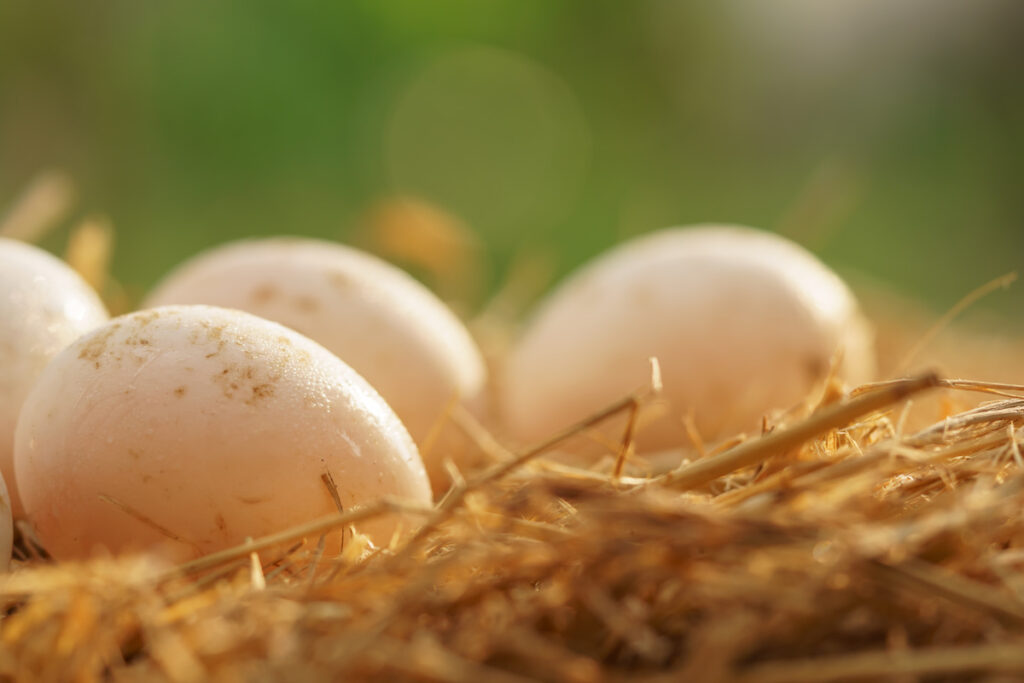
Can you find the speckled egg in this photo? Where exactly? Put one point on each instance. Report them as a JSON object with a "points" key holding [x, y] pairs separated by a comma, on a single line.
{"points": [[186, 429]]}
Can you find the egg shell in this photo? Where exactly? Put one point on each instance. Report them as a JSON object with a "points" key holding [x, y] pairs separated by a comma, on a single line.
{"points": [[186, 429], [742, 322], [374, 316], [44, 306]]}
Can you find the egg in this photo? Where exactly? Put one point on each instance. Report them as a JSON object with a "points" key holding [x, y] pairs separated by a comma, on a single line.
{"points": [[742, 322], [374, 316], [44, 306], [183, 430]]}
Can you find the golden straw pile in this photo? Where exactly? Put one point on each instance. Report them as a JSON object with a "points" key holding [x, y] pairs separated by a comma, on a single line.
{"points": [[833, 548], [845, 543]]}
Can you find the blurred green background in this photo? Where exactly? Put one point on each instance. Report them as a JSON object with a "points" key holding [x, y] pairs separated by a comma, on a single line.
{"points": [[887, 136]]}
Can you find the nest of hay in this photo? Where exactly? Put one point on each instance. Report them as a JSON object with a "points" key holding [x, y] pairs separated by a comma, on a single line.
{"points": [[840, 545]]}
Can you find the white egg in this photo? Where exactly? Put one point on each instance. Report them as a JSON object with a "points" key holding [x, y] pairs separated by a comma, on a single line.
{"points": [[742, 321], [186, 429], [386, 325], [44, 306]]}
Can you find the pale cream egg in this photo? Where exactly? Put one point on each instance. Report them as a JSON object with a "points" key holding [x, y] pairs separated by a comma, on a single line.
{"points": [[44, 306], [186, 429], [743, 322]]}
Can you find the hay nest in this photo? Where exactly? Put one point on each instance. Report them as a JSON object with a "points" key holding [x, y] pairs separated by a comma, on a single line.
{"points": [[838, 546]]}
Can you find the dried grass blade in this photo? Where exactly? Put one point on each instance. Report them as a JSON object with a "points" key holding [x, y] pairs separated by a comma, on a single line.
{"points": [[43, 204], [314, 528], [960, 589], [832, 417], [1001, 282]]}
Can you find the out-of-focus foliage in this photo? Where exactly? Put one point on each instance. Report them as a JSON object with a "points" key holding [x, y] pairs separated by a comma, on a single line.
{"points": [[886, 136]]}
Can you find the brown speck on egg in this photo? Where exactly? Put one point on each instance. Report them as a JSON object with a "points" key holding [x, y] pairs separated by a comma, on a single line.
{"points": [[815, 367], [263, 293], [263, 390], [146, 317], [306, 304], [339, 279], [213, 332], [97, 346]]}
